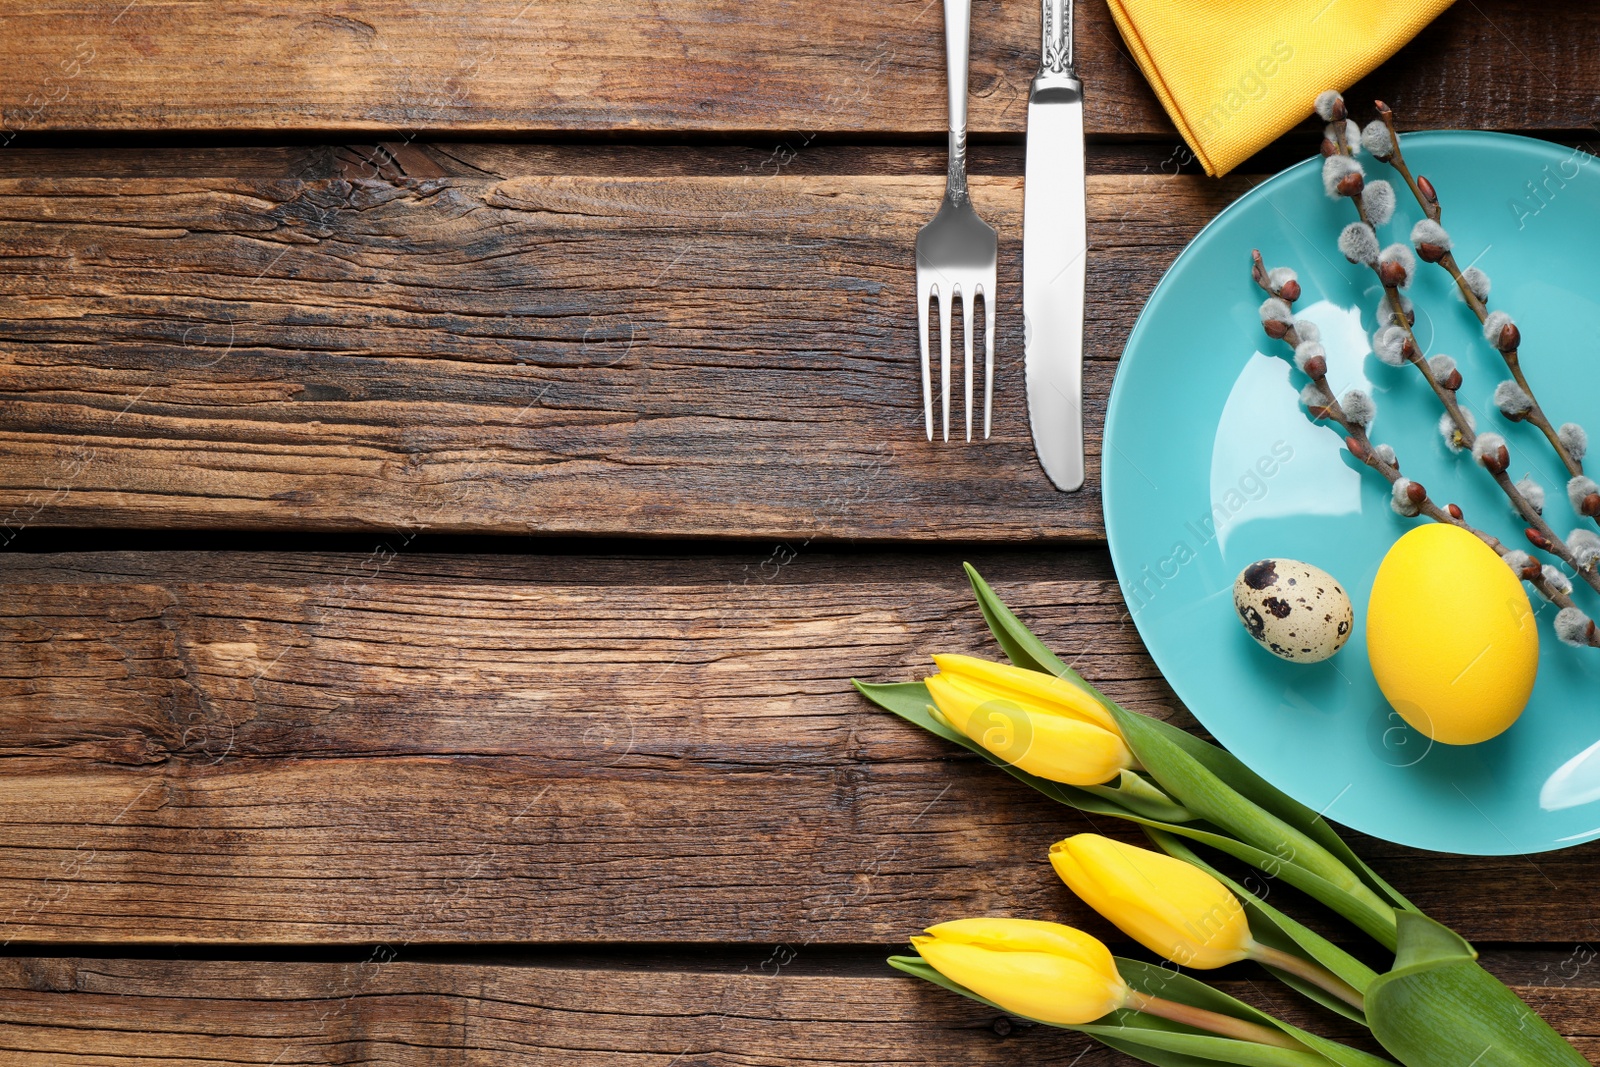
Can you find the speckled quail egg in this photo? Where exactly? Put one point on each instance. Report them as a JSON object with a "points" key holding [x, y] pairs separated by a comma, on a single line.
{"points": [[1293, 610]]}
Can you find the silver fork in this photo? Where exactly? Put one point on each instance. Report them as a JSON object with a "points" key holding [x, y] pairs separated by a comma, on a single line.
{"points": [[957, 251]]}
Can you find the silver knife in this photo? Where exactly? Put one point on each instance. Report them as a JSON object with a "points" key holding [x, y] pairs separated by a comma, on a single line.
{"points": [[1054, 244]]}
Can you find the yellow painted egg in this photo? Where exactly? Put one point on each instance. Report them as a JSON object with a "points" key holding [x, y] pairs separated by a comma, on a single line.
{"points": [[1451, 636]]}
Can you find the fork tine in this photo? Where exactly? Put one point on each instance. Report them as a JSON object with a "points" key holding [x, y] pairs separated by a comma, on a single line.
{"points": [[988, 354], [968, 305], [945, 301], [923, 293]]}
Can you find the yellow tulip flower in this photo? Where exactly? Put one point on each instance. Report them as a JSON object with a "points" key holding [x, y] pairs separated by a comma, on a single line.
{"points": [[1170, 907], [1055, 974], [1039, 970], [1032, 690], [1043, 725]]}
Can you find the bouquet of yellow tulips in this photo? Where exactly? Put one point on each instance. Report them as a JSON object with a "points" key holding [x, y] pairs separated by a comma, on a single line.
{"points": [[1044, 724]]}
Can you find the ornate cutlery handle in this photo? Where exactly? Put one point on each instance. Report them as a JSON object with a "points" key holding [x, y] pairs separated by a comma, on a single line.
{"points": [[1055, 48], [957, 39]]}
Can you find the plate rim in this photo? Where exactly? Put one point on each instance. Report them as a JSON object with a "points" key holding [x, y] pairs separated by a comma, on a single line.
{"points": [[1114, 414]]}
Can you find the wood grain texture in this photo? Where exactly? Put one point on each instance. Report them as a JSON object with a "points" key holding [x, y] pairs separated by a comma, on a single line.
{"points": [[413, 66], [744, 157], [213, 748], [659, 356], [775, 1007]]}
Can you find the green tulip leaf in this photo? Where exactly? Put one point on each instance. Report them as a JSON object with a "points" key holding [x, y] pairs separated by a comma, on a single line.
{"points": [[1162, 981], [1228, 767], [1343, 1055], [1272, 927], [919, 968], [1439, 1008], [1141, 798], [1209, 797], [1157, 1057], [1294, 933], [1024, 649], [1016, 640], [1360, 912], [1426, 942], [910, 701], [1204, 1048], [1168, 1044]]}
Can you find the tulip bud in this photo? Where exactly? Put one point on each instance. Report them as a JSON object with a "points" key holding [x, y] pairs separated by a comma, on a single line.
{"points": [[1175, 909], [1170, 907], [1038, 970], [1043, 725]]}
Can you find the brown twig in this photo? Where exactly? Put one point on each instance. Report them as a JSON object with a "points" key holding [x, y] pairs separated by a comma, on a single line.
{"points": [[1539, 532], [1428, 199], [1359, 444]]}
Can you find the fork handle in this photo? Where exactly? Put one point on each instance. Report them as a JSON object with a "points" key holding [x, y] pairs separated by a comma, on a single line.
{"points": [[957, 39]]}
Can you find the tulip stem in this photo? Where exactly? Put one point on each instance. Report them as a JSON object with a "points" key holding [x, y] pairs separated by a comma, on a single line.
{"points": [[1215, 1022], [1320, 977]]}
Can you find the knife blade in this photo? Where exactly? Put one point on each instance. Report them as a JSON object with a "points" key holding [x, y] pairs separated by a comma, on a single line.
{"points": [[1054, 249]]}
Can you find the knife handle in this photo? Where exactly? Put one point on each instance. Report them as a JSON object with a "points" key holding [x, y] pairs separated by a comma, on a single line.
{"points": [[1055, 46]]}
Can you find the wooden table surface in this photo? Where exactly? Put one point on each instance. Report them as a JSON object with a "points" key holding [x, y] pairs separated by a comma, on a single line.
{"points": [[453, 457]]}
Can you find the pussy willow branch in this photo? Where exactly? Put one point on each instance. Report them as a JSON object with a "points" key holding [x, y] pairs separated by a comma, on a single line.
{"points": [[1428, 199], [1540, 533], [1361, 447]]}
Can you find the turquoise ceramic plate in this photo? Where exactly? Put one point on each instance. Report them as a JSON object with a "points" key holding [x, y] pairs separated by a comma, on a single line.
{"points": [[1210, 463]]}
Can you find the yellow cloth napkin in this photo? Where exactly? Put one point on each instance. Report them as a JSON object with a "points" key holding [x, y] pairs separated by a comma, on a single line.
{"points": [[1235, 75]]}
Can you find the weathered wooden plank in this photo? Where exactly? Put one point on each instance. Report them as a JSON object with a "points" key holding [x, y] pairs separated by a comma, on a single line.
{"points": [[569, 355], [86, 156], [774, 1007], [411, 66], [449, 749]]}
